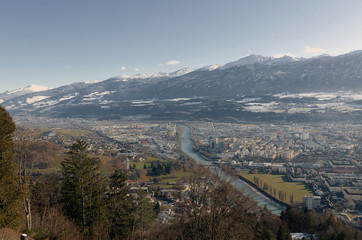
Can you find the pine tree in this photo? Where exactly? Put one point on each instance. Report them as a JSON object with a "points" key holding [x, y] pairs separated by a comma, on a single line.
{"points": [[283, 233], [82, 190], [119, 207], [10, 192]]}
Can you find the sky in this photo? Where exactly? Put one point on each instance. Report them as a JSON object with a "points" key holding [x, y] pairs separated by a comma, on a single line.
{"points": [[54, 43]]}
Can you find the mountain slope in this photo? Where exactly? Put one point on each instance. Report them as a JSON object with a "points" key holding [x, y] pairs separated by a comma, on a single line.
{"points": [[21, 91], [194, 93], [308, 75]]}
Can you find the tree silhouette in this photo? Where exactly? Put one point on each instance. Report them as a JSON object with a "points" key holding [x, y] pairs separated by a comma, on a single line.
{"points": [[10, 191], [82, 190]]}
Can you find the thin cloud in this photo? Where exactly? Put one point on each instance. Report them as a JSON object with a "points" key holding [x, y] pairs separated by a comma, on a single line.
{"points": [[123, 68], [309, 49], [173, 62], [136, 69]]}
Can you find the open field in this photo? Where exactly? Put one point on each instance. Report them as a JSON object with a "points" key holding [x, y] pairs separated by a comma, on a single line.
{"points": [[106, 166], [167, 181], [279, 183], [64, 133], [174, 177]]}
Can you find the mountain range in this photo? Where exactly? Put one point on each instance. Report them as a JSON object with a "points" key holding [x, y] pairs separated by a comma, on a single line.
{"points": [[216, 92]]}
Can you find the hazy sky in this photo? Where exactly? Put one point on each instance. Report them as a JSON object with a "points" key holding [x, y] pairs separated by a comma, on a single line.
{"points": [[53, 42]]}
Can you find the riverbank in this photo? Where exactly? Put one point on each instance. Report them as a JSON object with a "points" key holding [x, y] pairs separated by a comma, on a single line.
{"points": [[262, 200]]}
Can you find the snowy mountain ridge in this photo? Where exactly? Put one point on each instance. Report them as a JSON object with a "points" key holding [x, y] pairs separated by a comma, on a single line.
{"points": [[177, 73], [21, 91], [203, 91]]}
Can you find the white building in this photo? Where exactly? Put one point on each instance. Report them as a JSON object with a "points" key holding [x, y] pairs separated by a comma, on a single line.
{"points": [[311, 202]]}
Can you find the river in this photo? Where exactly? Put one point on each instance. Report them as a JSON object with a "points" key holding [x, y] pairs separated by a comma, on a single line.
{"points": [[261, 200]]}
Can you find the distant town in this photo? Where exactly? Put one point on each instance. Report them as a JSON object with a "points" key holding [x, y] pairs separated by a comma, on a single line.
{"points": [[321, 162]]}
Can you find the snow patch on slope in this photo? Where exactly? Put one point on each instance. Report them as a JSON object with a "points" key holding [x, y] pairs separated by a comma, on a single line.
{"points": [[36, 99], [66, 98], [323, 95]]}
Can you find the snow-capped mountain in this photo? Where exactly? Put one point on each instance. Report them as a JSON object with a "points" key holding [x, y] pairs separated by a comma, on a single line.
{"points": [[210, 68], [284, 59], [21, 91], [356, 52], [251, 59], [177, 73], [193, 93]]}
